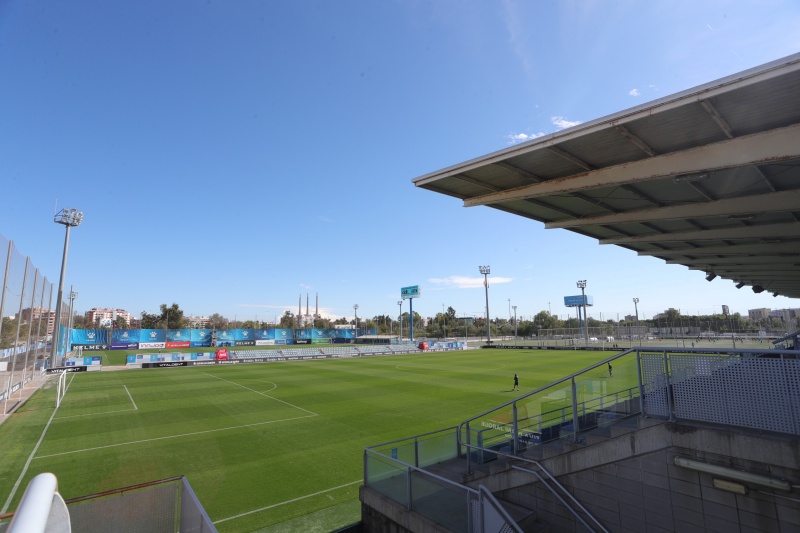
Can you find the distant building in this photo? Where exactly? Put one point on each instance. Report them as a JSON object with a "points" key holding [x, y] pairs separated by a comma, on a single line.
{"points": [[105, 317], [758, 314], [34, 314], [198, 322]]}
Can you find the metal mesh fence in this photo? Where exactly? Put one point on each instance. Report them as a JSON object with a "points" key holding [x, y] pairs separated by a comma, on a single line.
{"points": [[25, 302]]}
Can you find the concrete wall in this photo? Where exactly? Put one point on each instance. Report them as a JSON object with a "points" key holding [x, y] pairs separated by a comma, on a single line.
{"points": [[645, 492]]}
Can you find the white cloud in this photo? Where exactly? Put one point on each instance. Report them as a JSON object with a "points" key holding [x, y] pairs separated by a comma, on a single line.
{"points": [[515, 138], [466, 282], [563, 123], [634, 92]]}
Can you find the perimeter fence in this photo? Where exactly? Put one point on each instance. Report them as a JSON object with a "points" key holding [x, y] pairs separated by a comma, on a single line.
{"points": [[26, 308]]}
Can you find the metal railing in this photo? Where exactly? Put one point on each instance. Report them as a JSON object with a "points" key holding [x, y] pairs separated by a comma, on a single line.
{"points": [[755, 389], [396, 470]]}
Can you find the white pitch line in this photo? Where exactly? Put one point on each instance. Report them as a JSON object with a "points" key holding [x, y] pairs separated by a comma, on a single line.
{"points": [[286, 502], [33, 452], [131, 397], [135, 408], [174, 436], [94, 414], [261, 393]]}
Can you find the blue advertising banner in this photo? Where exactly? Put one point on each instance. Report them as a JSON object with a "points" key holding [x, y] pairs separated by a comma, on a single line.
{"points": [[85, 337], [226, 337], [124, 335], [179, 335], [244, 334], [178, 338], [575, 301], [320, 334], [152, 338], [124, 339], [284, 336], [264, 334], [302, 334], [200, 338]]}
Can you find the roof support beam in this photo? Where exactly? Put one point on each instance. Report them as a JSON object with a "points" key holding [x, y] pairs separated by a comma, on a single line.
{"points": [[729, 250], [745, 205], [779, 144], [748, 260], [766, 231]]}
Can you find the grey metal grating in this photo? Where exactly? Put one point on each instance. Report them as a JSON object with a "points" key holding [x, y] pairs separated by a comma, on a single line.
{"points": [[655, 385]]}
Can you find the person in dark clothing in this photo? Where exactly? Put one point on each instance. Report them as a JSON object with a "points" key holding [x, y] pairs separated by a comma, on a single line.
{"points": [[609, 370], [516, 383]]}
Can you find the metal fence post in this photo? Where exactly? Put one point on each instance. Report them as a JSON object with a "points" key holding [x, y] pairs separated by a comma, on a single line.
{"points": [[575, 424], [469, 451], [670, 397], [514, 428], [641, 383]]}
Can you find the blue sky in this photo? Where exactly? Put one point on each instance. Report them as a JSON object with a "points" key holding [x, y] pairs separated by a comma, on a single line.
{"points": [[231, 156]]}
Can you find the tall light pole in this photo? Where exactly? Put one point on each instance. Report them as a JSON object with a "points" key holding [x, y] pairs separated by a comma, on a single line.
{"points": [[585, 329], [444, 324], [485, 270], [400, 318], [69, 218], [355, 311], [72, 296], [636, 306], [515, 323]]}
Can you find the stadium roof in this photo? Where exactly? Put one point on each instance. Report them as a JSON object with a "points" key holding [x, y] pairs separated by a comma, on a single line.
{"points": [[708, 178]]}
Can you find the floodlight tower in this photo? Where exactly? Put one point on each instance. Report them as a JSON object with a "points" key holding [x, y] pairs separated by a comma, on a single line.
{"points": [[584, 326], [355, 311], [636, 306], [515, 323], [72, 296], [400, 318], [69, 218], [486, 270]]}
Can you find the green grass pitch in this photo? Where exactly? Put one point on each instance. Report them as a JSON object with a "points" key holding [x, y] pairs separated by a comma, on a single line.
{"points": [[266, 447]]}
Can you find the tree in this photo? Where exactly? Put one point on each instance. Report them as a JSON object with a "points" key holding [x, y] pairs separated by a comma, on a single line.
{"points": [[120, 323], [217, 321], [287, 320], [149, 321], [171, 317]]}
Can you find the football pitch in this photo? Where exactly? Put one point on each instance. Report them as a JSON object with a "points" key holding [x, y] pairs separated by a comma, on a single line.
{"points": [[266, 447]]}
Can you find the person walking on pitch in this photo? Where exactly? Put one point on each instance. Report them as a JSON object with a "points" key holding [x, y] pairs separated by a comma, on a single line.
{"points": [[516, 383]]}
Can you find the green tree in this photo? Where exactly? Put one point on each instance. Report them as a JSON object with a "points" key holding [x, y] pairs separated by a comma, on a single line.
{"points": [[120, 323], [287, 320]]}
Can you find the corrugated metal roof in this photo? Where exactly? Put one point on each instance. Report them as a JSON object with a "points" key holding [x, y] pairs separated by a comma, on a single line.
{"points": [[708, 178]]}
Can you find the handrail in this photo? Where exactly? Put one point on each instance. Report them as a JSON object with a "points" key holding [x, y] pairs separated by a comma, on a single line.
{"points": [[416, 468], [549, 385], [487, 494], [410, 439], [563, 502]]}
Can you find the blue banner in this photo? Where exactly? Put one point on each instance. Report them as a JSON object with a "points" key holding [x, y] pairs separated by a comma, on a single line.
{"points": [[244, 334], [152, 335], [179, 335], [264, 334], [320, 334], [124, 336], [226, 337], [200, 338], [85, 337]]}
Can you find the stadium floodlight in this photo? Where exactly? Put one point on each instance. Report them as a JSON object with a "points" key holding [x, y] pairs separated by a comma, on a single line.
{"points": [[400, 305], [636, 306], [355, 311], [486, 270], [515, 323], [710, 276], [584, 326], [69, 218], [775, 294], [758, 288], [740, 285]]}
